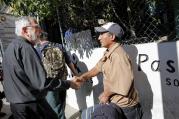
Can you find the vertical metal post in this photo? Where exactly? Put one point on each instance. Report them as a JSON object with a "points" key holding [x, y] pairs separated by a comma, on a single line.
{"points": [[131, 28], [176, 12], [59, 24]]}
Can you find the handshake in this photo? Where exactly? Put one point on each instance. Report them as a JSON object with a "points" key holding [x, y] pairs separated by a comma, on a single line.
{"points": [[76, 82]]}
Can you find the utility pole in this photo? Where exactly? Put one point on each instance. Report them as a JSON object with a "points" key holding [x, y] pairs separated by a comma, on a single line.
{"points": [[176, 12], [59, 25]]}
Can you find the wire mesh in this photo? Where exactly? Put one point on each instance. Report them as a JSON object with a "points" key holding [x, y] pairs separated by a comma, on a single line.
{"points": [[149, 21]]}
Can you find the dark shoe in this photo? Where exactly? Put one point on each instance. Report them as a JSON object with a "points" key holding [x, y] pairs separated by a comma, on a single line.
{"points": [[11, 117], [2, 95], [2, 114]]}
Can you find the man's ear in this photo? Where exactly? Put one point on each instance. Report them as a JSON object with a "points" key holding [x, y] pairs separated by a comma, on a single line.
{"points": [[113, 37], [24, 30]]}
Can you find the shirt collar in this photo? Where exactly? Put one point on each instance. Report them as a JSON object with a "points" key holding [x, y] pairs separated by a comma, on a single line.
{"points": [[23, 39], [110, 50]]}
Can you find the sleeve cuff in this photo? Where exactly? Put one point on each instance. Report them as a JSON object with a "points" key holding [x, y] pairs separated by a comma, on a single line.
{"points": [[65, 84]]}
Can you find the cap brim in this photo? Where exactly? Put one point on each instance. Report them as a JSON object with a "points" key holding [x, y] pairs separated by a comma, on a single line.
{"points": [[100, 29]]}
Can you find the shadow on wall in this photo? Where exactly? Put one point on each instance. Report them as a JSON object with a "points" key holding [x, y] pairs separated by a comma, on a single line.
{"points": [[86, 88], [98, 89], [141, 83], [81, 42]]}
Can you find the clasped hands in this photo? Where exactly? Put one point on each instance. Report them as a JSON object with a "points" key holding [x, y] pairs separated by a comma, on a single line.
{"points": [[76, 82]]}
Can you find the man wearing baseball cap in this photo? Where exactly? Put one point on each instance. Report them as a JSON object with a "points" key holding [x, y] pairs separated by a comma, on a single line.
{"points": [[119, 98]]}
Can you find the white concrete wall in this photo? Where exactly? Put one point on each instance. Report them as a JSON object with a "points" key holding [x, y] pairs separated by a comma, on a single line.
{"points": [[156, 78]]}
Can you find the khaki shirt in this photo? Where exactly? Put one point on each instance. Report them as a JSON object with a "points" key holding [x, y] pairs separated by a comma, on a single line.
{"points": [[118, 76]]}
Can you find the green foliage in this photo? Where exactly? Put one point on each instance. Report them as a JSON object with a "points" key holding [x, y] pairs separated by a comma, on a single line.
{"points": [[41, 8], [81, 13], [85, 13]]}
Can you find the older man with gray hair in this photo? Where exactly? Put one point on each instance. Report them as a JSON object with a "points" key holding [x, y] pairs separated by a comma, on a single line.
{"points": [[25, 83]]}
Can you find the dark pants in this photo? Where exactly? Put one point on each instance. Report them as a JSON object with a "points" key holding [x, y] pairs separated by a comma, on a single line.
{"points": [[1, 97], [32, 110], [112, 111], [57, 100], [107, 111], [134, 112]]}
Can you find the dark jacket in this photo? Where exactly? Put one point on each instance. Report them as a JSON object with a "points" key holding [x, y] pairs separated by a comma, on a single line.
{"points": [[24, 75]]}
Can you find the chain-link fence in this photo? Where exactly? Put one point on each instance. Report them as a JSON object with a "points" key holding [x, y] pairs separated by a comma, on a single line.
{"points": [[149, 21]]}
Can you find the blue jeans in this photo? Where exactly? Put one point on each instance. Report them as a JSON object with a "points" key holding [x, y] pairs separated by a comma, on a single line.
{"points": [[102, 111], [112, 111], [134, 112], [57, 100]]}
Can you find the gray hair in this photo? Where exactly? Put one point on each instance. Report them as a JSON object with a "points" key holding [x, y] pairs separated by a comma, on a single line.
{"points": [[22, 22]]}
